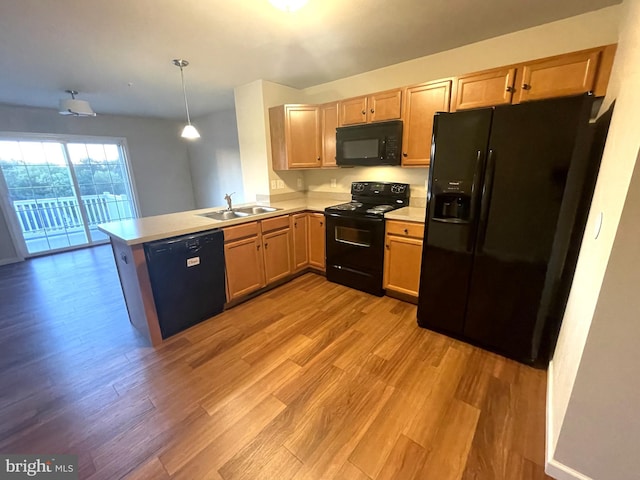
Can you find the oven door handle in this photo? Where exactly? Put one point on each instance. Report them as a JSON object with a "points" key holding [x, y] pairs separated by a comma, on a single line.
{"points": [[354, 218]]}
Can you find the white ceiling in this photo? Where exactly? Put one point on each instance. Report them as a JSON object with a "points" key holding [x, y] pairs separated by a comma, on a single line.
{"points": [[118, 53]]}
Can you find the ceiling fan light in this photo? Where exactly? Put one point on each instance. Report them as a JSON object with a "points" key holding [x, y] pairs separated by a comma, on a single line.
{"points": [[73, 106], [190, 132], [288, 5]]}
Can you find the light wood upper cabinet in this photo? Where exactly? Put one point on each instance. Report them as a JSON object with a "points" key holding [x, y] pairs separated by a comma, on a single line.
{"points": [[295, 136], [329, 123], [353, 111], [483, 89], [421, 102], [403, 257], [317, 240], [299, 231], [559, 76], [377, 107]]}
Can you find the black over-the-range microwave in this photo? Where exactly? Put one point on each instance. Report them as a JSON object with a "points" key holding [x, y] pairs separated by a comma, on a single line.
{"points": [[370, 144]]}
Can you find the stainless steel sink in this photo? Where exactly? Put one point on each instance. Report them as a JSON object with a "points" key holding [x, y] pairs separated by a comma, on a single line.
{"points": [[256, 210], [239, 212], [224, 215]]}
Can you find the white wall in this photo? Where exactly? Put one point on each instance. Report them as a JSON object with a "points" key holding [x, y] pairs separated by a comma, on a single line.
{"points": [[252, 139], [158, 156], [593, 389], [215, 160]]}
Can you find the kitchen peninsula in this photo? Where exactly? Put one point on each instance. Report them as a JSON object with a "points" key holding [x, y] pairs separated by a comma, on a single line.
{"points": [[292, 232]]}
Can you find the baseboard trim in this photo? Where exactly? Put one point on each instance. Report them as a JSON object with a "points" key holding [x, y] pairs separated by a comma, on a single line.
{"points": [[553, 467], [7, 261]]}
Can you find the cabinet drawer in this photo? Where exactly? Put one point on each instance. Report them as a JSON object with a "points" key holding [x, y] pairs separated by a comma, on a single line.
{"points": [[275, 223], [241, 231], [405, 229]]}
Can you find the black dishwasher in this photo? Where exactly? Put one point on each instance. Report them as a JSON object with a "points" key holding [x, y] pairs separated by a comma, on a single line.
{"points": [[187, 279]]}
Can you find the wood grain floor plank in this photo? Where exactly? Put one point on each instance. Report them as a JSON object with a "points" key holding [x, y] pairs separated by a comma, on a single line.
{"points": [[151, 469], [310, 380], [449, 450], [404, 462], [221, 446]]}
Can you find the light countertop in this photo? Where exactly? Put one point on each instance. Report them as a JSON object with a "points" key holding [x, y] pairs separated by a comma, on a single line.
{"points": [[147, 229], [407, 214]]}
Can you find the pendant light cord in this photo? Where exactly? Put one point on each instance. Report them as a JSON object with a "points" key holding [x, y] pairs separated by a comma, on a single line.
{"points": [[184, 92]]}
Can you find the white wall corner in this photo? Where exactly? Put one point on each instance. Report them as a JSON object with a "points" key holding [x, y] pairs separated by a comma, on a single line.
{"points": [[553, 467], [7, 261]]}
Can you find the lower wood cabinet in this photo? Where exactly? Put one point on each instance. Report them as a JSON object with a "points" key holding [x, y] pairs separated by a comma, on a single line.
{"points": [[403, 257], [263, 252], [317, 241], [256, 254], [243, 260], [299, 234]]}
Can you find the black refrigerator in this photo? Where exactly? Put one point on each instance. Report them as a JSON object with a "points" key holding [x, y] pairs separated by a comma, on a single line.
{"points": [[508, 195]]}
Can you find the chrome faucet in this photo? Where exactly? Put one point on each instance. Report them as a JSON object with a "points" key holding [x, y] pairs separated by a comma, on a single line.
{"points": [[227, 197]]}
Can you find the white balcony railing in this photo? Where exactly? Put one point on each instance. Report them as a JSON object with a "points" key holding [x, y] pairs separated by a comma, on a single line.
{"points": [[63, 214]]}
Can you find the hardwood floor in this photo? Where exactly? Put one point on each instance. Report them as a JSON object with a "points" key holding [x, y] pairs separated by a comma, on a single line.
{"points": [[311, 380]]}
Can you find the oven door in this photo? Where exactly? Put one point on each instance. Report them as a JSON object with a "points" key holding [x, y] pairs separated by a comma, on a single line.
{"points": [[355, 251]]}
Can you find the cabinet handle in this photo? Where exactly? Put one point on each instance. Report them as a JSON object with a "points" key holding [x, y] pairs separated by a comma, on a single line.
{"points": [[257, 247], [405, 154], [318, 159], [364, 112], [295, 224], [266, 245], [321, 223], [510, 89], [526, 86], [372, 110], [387, 246], [406, 231]]}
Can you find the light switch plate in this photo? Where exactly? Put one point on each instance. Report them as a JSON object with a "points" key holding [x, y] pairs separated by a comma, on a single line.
{"points": [[274, 185], [280, 184]]}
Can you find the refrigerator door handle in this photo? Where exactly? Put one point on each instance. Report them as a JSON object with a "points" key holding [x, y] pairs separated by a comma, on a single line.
{"points": [[477, 178], [487, 189], [475, 195]]}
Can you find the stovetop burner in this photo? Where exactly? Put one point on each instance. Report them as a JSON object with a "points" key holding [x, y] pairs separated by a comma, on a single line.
{"points": [[373, 199]]}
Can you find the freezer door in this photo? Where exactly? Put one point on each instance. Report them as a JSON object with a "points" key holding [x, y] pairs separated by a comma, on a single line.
{"points": [[457, 164], [530, 153]]}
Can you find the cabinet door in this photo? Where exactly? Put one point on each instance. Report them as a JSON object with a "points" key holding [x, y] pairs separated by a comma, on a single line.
{"points": [[243, 260], [316, 240], [329, 123], [560, 76], [483, 89], [299, 232], [385, 106], [277, 255], [353, 111], [402, 260], [303, 136], [421, 102]]}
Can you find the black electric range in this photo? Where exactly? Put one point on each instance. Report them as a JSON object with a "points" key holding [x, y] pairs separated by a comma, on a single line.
{"points": [[355, 234]]}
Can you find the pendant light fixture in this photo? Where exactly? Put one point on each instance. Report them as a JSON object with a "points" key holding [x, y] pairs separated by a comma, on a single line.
{"points": [[189, 131], [75, 107], [288, 5]]}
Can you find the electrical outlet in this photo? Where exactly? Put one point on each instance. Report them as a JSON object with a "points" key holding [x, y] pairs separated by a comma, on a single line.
{"points": [[280, 184], [274, 185], [333, 183]]}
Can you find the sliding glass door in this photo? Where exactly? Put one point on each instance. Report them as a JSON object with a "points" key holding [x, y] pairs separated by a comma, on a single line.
{"points": [[60, 191]]}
